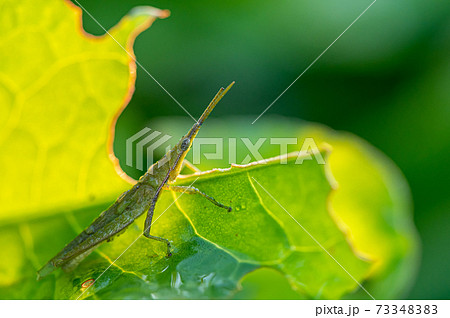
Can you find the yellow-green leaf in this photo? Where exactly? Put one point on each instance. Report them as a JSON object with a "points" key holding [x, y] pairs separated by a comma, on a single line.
{"points": [[60, 92]]}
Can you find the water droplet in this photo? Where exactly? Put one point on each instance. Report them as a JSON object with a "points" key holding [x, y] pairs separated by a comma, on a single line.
{"points": [[206, 279], [240, 207], [164, 269], [176, 281]]}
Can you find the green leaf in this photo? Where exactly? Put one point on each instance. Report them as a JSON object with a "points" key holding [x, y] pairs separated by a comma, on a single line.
{"points": [[214, 249], [372, 203], [57, 176]]}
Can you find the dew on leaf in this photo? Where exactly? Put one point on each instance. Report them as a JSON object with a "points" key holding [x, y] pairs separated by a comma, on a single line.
{"points": [[176, 280], [240, 207], [164, 269]]}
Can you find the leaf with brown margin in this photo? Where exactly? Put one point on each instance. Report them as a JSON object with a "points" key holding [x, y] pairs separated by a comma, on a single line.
{"points": [[372, 203], [214, 249], [60, 92]]}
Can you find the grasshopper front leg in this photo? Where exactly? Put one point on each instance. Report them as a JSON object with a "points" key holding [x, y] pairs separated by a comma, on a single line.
{"points": [[193, 190], [148, 225]]}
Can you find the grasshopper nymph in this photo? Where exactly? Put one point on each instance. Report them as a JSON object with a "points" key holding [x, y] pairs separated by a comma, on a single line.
{"points": [[134, 202]]}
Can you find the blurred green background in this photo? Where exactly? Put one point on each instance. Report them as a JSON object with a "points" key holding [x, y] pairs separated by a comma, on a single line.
{"points": [[387, 80]]}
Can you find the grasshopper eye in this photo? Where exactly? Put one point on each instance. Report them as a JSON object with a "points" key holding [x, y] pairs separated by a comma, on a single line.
{"points": [[185, 144]]}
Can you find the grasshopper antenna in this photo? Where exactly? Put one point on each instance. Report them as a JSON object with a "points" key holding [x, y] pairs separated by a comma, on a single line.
{"points": [[221, 93]]}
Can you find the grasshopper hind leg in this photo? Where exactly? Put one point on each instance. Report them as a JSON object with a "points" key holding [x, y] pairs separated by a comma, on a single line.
{"points": [[160, 239], [74, 262], [148, 225]]}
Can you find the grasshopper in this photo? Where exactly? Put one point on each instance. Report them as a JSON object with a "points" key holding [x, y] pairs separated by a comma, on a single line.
{"points": [[134, 202]]}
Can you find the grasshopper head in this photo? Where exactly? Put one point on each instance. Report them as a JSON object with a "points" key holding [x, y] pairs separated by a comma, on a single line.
{"points": [[185, 143]]}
